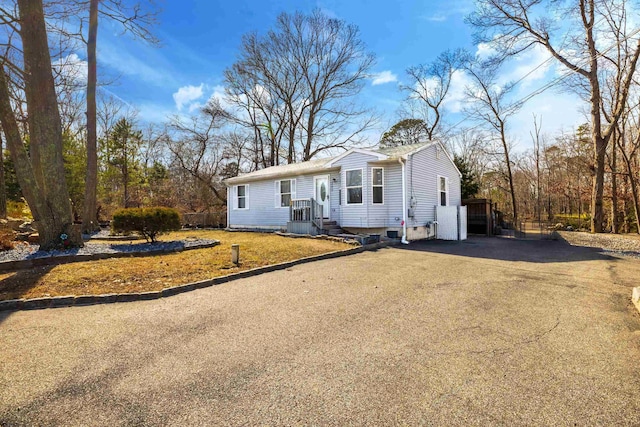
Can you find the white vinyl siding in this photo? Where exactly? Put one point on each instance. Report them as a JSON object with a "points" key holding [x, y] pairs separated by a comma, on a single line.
{"points": [[285, 191], [424, 170], [353, 185], [241, 199], [263, 212], [377, 186]]}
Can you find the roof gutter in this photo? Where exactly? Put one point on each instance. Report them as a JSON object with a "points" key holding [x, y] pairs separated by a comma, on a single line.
{"points": [[404, 204]]}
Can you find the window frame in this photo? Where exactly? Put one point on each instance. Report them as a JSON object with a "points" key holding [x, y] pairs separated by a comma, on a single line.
{"points": [[440, 191], [374, 185], [279, 193], [361, 186], [237, 197]]}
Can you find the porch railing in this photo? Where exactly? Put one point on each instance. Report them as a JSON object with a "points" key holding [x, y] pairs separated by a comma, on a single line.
{"points": [[306, 210]]}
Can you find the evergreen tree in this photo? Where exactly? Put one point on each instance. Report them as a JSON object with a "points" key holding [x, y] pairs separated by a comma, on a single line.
{"points": [[469, 182]]}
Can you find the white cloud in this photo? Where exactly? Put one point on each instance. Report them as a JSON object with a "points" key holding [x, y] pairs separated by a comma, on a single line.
{"points": [[187, 95], [73, 69], [456, 98], [130, 64], [383, 77], [218, 94], [557, 112], [484, 51], [436, 17], [528, 67]]}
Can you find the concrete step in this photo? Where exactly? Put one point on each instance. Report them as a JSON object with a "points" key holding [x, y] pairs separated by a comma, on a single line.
{"points": [[326, 223]]}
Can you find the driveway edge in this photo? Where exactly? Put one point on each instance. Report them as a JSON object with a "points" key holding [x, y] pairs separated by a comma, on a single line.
{"points": [[81, 300]]}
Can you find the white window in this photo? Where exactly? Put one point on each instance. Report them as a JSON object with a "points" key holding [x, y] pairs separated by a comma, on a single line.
{"points": [[354, 186], [377, 186], [285, 192], [443, 190], [242, 197]]}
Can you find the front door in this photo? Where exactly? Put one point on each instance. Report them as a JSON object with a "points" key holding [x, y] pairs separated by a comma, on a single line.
{"points": [[322, 193]]}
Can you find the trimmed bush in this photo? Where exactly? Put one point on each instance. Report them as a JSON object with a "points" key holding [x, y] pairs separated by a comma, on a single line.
{"points": [[147, 222]]}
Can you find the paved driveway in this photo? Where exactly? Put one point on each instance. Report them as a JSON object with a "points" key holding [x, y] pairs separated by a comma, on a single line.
{"points": [[489, 331]]}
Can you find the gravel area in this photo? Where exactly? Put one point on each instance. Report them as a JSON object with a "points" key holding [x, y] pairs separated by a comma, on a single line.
{"points": [[617, 244], [24, 251]]}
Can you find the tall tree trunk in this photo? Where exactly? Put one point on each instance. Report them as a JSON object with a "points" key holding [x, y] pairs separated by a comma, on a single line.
{"points": [[508, 161], [634, 188], [90, 214], [615, 223], [597, 209], [48, 198], [125, 174], [3, 188]]}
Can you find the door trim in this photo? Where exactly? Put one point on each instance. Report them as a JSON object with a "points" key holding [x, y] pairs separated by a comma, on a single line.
{"points": [[315, 189]]}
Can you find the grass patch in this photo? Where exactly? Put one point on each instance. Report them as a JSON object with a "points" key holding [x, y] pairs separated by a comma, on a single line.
{"points": [[140, 274]]}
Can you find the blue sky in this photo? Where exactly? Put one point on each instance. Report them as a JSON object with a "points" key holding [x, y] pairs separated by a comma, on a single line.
{"points": [[200, 38]]}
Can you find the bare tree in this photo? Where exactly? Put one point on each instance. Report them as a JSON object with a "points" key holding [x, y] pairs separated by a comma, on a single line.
{"points": [[535, 136], [428, 87], [41, 171], [296, 87], [513, 26], [489, 104], [133, 20], [90, 214], [198, 148]]}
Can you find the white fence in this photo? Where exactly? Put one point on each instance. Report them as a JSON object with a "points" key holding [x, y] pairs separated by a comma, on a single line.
{"points": [[452, 222]]}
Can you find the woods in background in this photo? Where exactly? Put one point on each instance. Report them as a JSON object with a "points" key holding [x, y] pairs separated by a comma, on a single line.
{"points": [[293, 95]]}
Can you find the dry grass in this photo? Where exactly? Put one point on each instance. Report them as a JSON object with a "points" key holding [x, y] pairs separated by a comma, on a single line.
{"points": [[121, 275]]}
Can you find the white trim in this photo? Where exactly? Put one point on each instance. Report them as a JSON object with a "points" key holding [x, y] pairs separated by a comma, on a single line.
{"points": [[374, 186], [328, 201], [278, 193], [346, 192], [446, 185], [379, 156], [246, 197]]}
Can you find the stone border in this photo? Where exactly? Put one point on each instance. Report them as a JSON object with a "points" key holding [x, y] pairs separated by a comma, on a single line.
{"points": [[635, 297], [72, 300], [66, 259]]}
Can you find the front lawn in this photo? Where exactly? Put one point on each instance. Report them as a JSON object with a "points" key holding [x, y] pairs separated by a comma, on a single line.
{"points": [[152, 273]]}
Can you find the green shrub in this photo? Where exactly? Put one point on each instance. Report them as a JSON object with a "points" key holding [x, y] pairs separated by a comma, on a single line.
{"points": [[147, 222]]}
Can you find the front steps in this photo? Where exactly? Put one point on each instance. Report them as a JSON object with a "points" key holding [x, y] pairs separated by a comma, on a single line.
{"points": [[331, 228]]}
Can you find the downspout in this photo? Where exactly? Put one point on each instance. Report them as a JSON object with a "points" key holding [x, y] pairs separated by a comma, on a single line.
{"points": [[229, 201], [404, 204]]}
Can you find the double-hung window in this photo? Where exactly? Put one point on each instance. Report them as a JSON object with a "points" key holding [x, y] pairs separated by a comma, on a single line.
{"points": [[354, 186], [242, 197], [285, 192], [443, 190], [377, 186]]}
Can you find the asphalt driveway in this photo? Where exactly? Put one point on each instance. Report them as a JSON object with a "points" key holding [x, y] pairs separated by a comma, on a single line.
{"points": [[485, 332]]}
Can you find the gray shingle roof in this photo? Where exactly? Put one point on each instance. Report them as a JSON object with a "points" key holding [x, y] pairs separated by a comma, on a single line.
{"points": [[317, 164], [281, 170]]}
